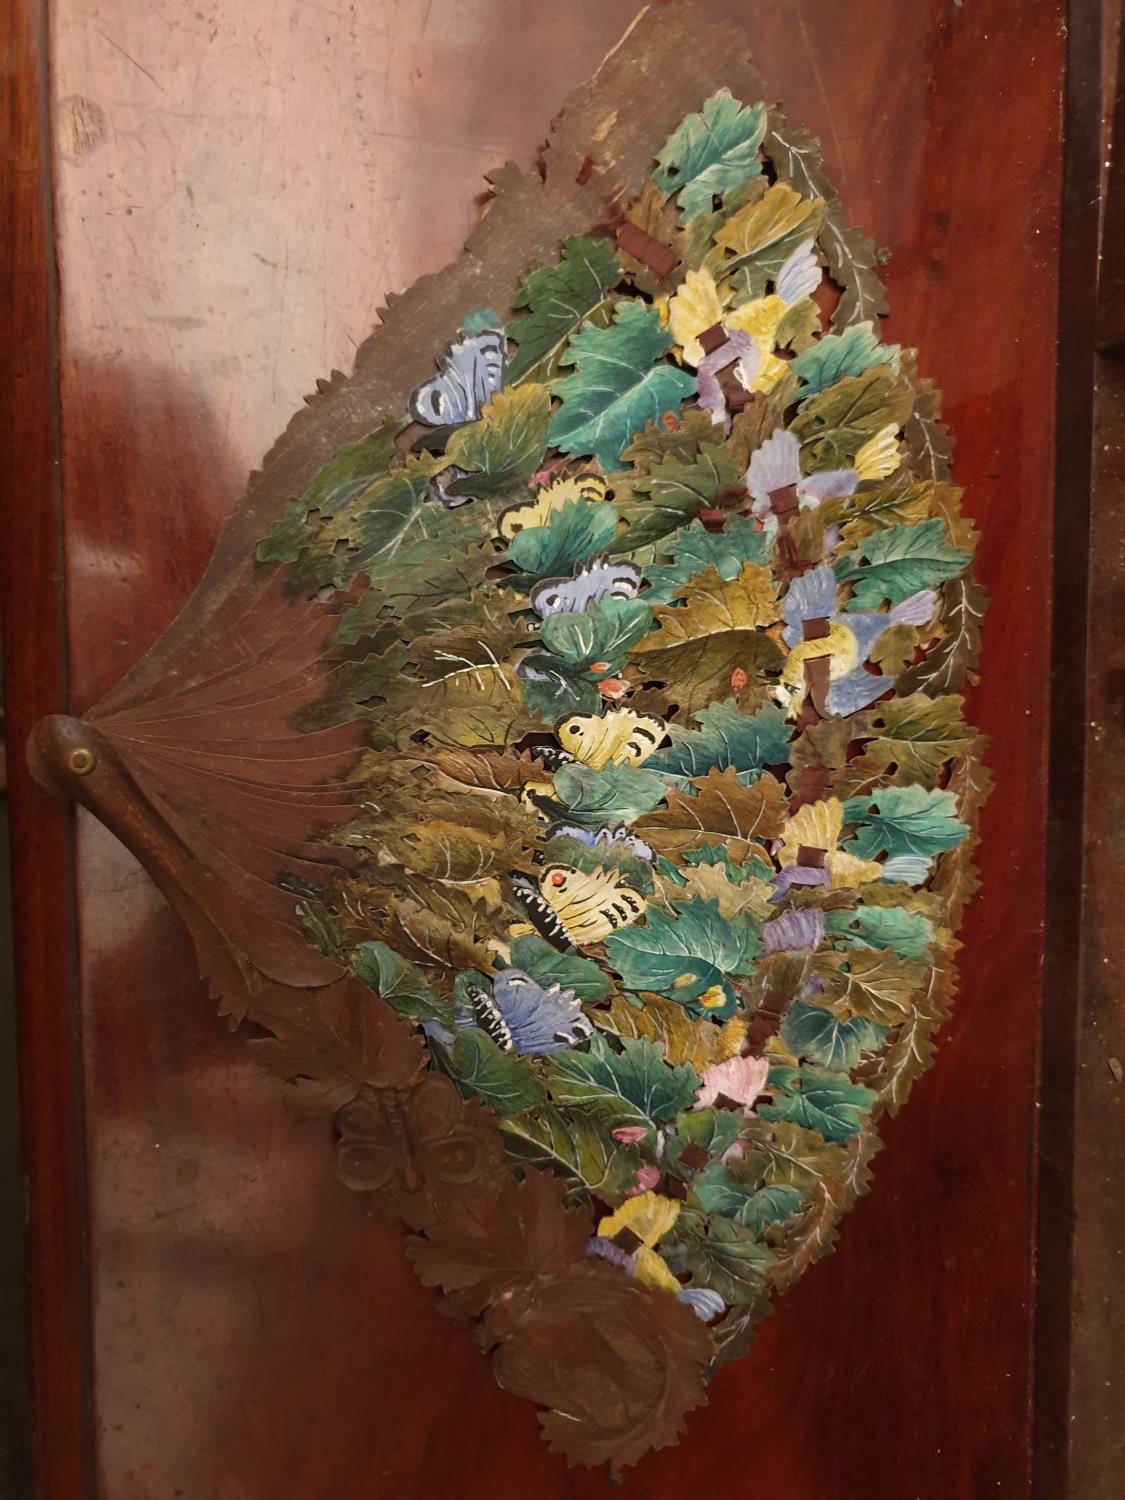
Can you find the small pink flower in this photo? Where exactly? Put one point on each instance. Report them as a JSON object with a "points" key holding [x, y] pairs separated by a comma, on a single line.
{"points": [[734, 1152], [644, 1179], [740, 1079], [629, 1135]]}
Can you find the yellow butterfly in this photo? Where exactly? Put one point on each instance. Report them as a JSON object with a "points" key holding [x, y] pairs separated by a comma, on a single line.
{"points": [[578, 907], [879, 456], [538, 511], [618, 738]]}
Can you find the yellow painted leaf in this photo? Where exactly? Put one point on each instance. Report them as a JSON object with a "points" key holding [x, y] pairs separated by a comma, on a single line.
{"points": [[879, 456], [648, 1215], [699, 1043], [747, 602], [779, 212], [817, 825]]}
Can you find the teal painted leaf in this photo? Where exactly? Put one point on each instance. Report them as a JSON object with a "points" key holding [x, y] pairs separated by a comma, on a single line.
{"points": [[557, 299], [904, 820], [696, 549], [684, 955], [504, 448], [818, 1099], [839, 354], [573, 535], [717, 1192], [889, 566], [607, 798], [574, 1147], [398, 983], [547, 966], [551, 689], [747, 743], [727, 1258], [602, 632], [616, 386], [633, 1086], [812, 1032], [907, 933], [711, 153], [503, 1081]]}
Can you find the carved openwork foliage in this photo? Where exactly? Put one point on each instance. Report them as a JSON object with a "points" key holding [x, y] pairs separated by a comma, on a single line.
{"points": [[563, 765]]}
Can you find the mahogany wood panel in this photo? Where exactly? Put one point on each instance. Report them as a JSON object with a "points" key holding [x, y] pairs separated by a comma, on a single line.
{"points": [[237, 189], [30, 593]]}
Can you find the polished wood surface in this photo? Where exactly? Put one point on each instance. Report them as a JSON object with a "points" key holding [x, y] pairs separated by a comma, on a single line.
{"points": [[35, 683], [237, 188]]}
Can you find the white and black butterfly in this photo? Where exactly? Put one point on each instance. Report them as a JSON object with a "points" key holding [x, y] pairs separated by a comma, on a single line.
{"points": [[520, 1015], [472, 371], [596, 580]]}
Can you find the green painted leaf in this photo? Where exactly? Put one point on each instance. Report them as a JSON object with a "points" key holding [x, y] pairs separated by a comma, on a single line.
{"points": [[501, 1080], [607, 798], [726, 737], [717, 1192], [381, 523], [779, 1151], [558, 298], [346, 474], [633, 1086], [833, 425], [547, 966], [904, 820], [696, 549], [602, 632], [685, 954], [504, 448], [818, 1099], [712, 1130], [573, 1146], [556, 689], [839, 354], [673, 493], [907, 933], [727, 1258], [573, 535], [398, 983], [889, 566], [616, 386], [812, 1032], [711, 153]]}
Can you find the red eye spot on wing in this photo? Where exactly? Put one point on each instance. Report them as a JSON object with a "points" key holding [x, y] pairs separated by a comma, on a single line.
{"points": [[557, 878]]}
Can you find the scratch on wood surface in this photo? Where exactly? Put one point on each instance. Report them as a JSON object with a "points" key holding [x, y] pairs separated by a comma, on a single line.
{"points": [[140, 67], [838, 165]]}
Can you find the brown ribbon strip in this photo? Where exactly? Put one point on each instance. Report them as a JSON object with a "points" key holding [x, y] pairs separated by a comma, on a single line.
{"points": [[650, 252]]}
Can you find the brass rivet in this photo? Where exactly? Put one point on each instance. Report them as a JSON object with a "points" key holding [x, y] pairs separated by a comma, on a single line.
{"points": [[81, 761]]}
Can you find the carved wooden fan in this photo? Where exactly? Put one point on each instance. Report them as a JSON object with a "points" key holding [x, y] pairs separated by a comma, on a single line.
{"points": [[561, 764]]}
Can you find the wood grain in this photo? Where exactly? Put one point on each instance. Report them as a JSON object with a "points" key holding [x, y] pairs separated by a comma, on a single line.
{"points": [[35, 683], [236, 193]]}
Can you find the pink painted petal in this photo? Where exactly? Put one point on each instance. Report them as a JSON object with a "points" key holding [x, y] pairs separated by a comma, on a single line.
{"points": [[629, 1135], [739, 1078], [645, 1179]]}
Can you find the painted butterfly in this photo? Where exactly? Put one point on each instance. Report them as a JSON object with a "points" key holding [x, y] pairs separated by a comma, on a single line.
{"points": [[595, 580], [472, 371], [620, 737], [522, 1016], [573, 908]]}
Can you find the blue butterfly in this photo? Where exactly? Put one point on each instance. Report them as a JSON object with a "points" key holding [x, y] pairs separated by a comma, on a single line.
{"points": [[627, 842], [521, 1016], [598, 579], [472, 371]]}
